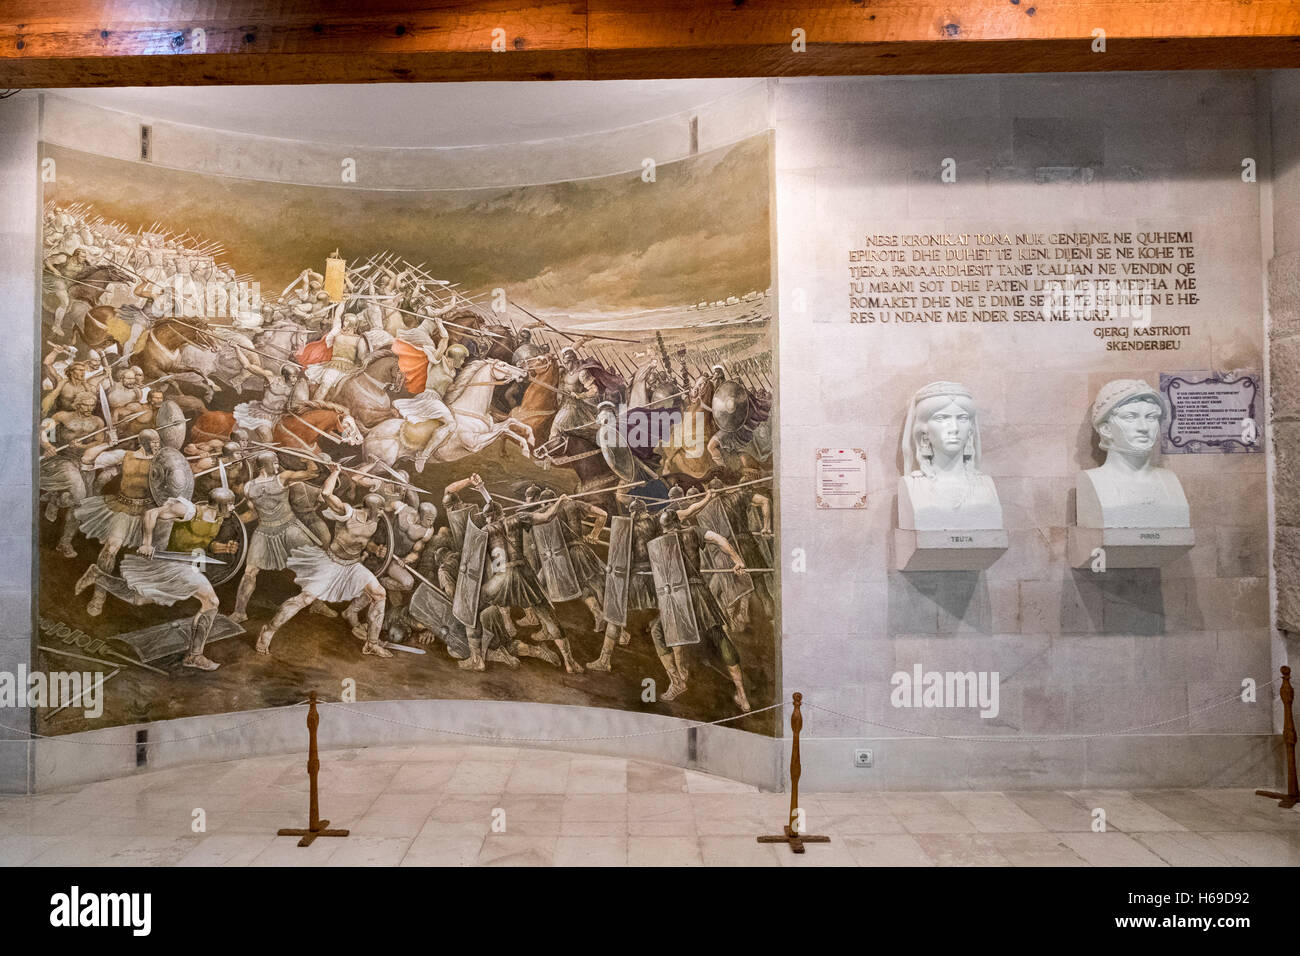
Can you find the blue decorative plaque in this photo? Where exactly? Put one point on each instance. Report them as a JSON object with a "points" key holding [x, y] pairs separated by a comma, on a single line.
{"points": [[1213, 412]]}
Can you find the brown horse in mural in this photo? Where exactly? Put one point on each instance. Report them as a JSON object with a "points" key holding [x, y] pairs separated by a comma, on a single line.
{"points": [[299, 431], [541, 400], [367, 393]]}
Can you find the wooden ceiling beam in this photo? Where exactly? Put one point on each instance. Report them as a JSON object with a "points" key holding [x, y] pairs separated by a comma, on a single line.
{"points": [[53, 43]]}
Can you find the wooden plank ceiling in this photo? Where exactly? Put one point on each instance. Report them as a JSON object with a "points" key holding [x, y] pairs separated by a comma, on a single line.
{"points": [[53, 43]]}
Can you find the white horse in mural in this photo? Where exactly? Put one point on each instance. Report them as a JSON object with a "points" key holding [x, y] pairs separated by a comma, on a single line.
{"points": [[468, 398]]}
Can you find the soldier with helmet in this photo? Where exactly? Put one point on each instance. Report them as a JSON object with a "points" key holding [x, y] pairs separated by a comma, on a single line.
{"points": [[510, 582], [117, 519], [444, 362], [63, 481], [694, 610], [278, 532], [633, 579], [149, 577], [336, 574]]}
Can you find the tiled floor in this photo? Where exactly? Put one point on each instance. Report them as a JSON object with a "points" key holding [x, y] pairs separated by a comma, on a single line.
{"points": [[450, 805]]}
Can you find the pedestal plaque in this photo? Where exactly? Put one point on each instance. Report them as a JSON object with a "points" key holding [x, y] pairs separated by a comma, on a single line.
{"points": [[948, 550], [1128, 547]]}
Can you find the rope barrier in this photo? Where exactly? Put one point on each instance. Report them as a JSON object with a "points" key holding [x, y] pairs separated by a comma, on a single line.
{"points": [[995, 738]]}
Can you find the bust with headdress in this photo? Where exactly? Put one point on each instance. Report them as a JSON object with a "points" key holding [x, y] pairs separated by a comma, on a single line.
{"points": [[1128, 490], [942, 488]]}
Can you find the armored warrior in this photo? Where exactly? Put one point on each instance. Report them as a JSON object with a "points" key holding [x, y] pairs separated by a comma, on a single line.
{"points": [[142, 318], [710, 621], [413, 529], [640, 597], [510, 582], [63, 480], [579, 393], [736, 506], [278, 532], [285, 392], [117, 519], [348, 350], [444, 362], [336, 574], [146, 579], [588, 569]]}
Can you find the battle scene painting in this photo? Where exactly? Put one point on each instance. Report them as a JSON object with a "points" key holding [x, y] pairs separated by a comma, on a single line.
{"points": [[495, 444]]}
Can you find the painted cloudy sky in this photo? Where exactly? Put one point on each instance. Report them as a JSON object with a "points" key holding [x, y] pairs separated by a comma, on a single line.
{"points": [[609, 244]]}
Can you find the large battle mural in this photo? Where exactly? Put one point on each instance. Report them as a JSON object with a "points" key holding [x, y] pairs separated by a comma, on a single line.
{"points": [[508, 444]]}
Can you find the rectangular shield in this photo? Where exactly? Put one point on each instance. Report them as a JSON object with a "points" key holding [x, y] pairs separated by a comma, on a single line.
{"points": [[456, 521], [558, 577], [433, 609], [470, 579], [730, 587], [618, 570], [672, 590]]}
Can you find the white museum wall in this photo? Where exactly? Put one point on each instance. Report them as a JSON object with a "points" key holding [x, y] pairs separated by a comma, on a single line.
{"points": [[19, 217], [1080, 655]]}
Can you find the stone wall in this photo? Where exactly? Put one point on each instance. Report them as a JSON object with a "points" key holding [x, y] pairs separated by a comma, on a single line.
{"points": [[1081, 655]]}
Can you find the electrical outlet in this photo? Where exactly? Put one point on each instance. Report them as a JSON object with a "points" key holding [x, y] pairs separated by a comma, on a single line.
{"points": [[863, 759]]}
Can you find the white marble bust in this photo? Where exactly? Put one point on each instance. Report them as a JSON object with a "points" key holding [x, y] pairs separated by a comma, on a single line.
{"points": [[1128, 491], [942, 488]]}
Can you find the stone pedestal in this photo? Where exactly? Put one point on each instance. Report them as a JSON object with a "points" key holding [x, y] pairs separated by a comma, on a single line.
{"points": [[1128, 547], [953, 550]]}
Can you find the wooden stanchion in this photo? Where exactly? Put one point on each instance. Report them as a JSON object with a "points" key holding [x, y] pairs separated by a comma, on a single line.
{"points": [[1292, 796], [316, 827], [792, 836]]}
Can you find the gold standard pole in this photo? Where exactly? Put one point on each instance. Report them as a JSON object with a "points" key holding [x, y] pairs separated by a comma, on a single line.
{"points": [[1292, 796], [792, 836], [316, 827]]}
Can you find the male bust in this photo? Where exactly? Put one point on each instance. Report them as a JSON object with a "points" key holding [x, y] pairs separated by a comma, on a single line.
{"points": [[1127, 490], [942, 488]]}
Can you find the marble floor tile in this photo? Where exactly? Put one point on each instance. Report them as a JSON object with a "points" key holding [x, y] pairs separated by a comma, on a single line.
{"points": [[591, 851], [993, 812], [1125, 812], [1034, 849], [1186, 849], [504, 849], [886, 850], [428, 850], [960, 849], [1056, 811], [664, 851], [220, 849], [1256, 848], [1111, 849]]}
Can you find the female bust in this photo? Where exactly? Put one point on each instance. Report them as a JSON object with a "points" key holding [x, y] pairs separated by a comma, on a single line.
{"points": [[942, 488]]}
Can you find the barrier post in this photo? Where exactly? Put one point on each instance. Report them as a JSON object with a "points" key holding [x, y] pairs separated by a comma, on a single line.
{"points": [[792, 836], [316, 827]]}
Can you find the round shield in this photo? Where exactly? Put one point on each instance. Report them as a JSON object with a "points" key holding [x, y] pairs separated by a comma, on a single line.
{"points": [[383, 536], [730, 406], [616, 453], [170, 476], [232, 530], [170, 424]]}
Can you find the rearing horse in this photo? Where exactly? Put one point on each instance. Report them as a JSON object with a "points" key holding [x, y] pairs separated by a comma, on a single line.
{"points": [[473, 428]]}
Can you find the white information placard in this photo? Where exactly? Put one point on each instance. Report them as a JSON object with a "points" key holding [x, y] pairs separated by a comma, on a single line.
{"points": [[841, 478]]}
